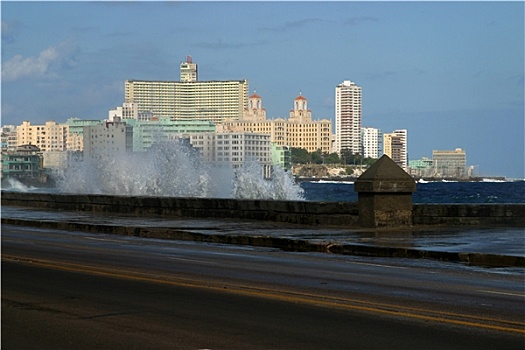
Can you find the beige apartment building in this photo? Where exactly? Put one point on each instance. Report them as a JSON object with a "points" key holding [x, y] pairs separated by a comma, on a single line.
{"points": [[299, 131], [49, 137], [395, 146], [189, 98]]}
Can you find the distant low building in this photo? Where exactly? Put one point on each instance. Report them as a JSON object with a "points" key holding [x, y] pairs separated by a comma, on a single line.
{"points": [[24, 162], [75, 135], [8, 137], [147, 133], [282, 156], [107, 139], [421, 167], [233, 149], [449, 163]]}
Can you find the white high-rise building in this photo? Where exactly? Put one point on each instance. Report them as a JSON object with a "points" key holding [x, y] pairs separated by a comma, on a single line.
{"points": [[372, 142], [348, 117], [189, 98]]}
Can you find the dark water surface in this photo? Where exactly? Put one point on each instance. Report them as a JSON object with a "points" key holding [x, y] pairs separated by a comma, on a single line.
{"points": [[432, 192]]}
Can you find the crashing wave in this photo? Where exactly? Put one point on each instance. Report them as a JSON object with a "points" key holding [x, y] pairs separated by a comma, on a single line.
{"points": [[175, 170]]}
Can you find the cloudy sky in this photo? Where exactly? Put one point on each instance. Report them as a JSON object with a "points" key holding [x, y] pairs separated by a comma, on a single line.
{"points": [[451, 73]]}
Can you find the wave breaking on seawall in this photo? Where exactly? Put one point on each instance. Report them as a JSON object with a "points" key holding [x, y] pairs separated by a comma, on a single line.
{"points": [[175, 170]]}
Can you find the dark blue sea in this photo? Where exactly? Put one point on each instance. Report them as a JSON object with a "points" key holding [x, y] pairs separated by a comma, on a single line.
{"points": [[431, 192]]}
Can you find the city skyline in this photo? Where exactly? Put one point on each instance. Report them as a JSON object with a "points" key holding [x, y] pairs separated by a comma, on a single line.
{"points": [[450, 73]]}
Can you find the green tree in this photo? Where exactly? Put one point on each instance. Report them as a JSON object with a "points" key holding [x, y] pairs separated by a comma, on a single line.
{"points": [[317, 157], [332, 158], [300, 156]]}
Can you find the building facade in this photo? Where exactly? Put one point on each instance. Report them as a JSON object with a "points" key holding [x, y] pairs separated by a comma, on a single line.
{"points": [[348, 117], [188, 70], [9, 137], [23, 162], [372, 140], [49, 137], [147, 133], [75, 136], [299, 131], [421, 167], [106, 140], [189, 98], [395, 145], [448, 163], [281, 156], [233, 149]]}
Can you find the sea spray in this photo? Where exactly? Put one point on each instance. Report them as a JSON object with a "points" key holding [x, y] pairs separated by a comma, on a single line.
{"points": [[250, 184], [174, 169], [12, 184]]}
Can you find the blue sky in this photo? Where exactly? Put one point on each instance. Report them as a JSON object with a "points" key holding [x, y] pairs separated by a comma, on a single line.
{"points": [[451, 73]]}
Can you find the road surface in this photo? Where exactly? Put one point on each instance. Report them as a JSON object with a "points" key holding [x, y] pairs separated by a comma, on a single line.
{"points": [[83, 291]]}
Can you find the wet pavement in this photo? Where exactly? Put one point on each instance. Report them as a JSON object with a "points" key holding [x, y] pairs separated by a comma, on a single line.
{"points": [[504, 241]]}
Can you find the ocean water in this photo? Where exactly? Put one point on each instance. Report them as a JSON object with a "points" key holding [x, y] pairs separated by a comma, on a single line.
{"points": [[432, 192]]}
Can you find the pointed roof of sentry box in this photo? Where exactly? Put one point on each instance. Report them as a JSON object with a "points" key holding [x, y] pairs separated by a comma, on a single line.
{"points": [[385, 176]]}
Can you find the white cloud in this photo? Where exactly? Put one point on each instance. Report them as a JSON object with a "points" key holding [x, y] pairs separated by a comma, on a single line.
{"points": [[9, 31], [45, 65]]}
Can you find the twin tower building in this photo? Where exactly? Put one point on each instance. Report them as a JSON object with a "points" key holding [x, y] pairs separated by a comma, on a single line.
{"points": [[227, 104]]}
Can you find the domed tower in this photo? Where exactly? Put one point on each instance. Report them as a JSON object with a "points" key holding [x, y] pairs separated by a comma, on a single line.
{"points": [[300, 111], [255, 111]]}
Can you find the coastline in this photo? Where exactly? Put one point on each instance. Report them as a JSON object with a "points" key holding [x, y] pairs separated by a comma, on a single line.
{"points": [[300, 179]]}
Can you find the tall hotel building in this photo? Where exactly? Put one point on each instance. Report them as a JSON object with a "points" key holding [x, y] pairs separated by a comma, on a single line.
{"points": [[189, 98], [348, 117], [299, 131], [395, 146]]}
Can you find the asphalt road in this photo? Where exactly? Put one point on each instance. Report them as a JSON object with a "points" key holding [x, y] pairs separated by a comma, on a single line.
{"points": [[83, 291]]}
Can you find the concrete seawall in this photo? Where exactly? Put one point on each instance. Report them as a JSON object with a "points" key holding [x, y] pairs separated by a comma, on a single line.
{"points": [[297, 212]]}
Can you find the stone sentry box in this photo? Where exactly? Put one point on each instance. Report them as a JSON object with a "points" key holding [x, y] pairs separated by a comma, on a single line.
{"points": [[385, 195]]}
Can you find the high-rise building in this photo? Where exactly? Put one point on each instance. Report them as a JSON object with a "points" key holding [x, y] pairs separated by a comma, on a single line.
{"points": [[449, 163], [372, 141], [395, 146], [348, 117], [189, 99]]}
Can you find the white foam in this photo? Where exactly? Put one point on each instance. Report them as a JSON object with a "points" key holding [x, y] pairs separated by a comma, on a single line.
{"points": [[172, 169]]}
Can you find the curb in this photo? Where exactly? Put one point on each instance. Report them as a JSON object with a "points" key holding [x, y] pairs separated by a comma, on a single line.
{"points": [[286, 244]]}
